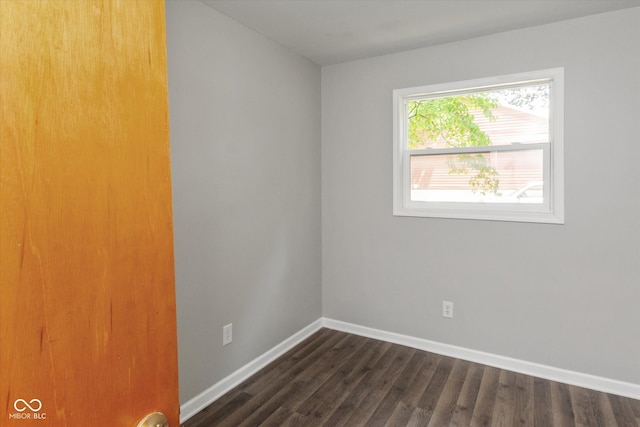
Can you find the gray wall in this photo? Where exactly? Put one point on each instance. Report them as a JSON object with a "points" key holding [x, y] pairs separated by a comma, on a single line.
{"points": [[245, 147], [561, 295]]}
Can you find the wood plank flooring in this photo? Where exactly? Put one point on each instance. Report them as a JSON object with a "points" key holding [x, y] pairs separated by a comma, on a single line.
{"points": [[338, 379]]}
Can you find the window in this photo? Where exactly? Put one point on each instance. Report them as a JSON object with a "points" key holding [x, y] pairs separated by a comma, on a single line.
{"points": [[487, 149]]}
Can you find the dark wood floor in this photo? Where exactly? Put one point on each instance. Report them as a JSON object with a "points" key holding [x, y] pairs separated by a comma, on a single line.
{"points": [[338, 379]]}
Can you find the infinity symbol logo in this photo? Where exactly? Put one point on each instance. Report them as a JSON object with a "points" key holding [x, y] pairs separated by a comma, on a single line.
{"points": [[24, 405]]}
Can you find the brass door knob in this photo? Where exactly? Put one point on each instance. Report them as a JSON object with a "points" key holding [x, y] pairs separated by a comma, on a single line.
{"points": [[156, 419]]}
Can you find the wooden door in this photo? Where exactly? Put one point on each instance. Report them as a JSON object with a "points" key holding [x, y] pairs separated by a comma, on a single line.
{"points": [[87, 299]]}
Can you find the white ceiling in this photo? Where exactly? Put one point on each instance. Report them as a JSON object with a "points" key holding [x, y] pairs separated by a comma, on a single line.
{"points": [[334, 31]]}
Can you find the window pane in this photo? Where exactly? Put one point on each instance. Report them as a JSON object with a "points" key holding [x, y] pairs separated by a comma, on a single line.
{"points": [[497, 177], [494, 117]]}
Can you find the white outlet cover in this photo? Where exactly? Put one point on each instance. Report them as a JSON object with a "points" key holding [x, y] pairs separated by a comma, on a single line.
{"points": [[227, 334], [447, 309]]}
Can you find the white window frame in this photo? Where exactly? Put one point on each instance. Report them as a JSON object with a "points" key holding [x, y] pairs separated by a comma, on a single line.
{"points": [[551, 211]]}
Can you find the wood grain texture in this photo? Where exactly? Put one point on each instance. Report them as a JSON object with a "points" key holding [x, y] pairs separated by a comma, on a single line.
{"points": [[87, 305], [338, 379]]}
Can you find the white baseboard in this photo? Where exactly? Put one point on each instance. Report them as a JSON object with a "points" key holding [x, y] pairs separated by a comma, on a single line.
{"points": [[213, 393], [204, 399], [593, 382]]}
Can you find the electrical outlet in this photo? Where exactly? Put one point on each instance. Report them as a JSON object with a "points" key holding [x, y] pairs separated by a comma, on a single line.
{"points": [[447, 309], [227, 334]]}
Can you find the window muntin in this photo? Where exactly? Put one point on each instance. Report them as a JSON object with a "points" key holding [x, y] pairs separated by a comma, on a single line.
{"points": [[483, 149]]}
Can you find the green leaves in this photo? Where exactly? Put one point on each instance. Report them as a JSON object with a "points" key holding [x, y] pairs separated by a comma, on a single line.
{"points": [[486, 178], [450, 123]]}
